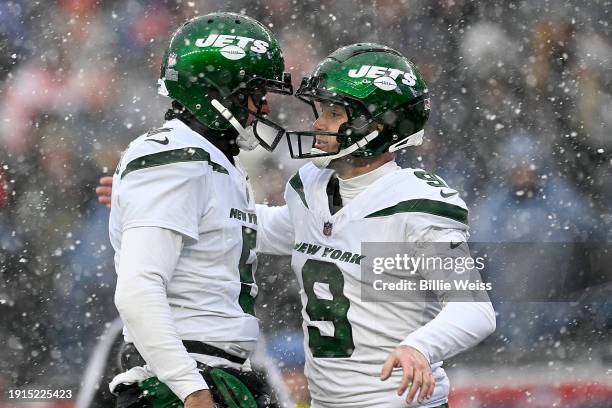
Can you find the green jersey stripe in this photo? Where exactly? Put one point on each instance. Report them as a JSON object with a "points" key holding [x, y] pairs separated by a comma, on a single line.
{"points": [[186, 154], [296, 183], [439, 208]]}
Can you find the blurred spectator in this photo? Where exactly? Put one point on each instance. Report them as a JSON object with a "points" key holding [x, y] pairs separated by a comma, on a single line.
{"points": [[527, 200]]}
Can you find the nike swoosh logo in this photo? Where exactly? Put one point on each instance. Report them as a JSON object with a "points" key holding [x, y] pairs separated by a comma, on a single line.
{"points": [[454, 245], [446, 195], [164, 141]]}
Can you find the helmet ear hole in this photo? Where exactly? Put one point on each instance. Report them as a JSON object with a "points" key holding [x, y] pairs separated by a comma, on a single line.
{"points": [[390, 118], [345, 128], [360, 123]]}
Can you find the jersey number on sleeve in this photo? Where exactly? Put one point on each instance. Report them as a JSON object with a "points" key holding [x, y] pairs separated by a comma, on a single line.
{"points": [[430, 178], [245, 299], [334, 310]]}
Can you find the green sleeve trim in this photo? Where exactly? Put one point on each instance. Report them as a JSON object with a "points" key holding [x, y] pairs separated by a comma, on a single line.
{"points": [[186, 154], [296, 183], [438, 208]]}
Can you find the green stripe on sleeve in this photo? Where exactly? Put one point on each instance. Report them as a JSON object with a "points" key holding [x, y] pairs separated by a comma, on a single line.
{"points": [[296, 183], [438, 208], [186, 154]]}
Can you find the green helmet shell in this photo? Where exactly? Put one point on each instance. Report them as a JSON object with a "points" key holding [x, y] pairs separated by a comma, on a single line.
{"points": [[380, 86], [218, 56]]}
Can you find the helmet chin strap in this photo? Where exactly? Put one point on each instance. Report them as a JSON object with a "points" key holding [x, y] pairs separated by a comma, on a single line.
{"points": [[323, 161], [246, 139], [415, 139]]}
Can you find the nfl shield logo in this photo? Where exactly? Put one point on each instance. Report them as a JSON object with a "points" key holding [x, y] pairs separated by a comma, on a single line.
{"points": [[327, 228], [172, 60]]}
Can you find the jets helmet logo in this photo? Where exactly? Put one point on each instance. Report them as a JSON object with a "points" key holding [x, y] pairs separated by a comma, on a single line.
{"points": [[233, 46], [385, 83], [384, 78]]}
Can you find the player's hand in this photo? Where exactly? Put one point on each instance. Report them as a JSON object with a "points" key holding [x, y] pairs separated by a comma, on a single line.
{"points": [[199, 399], [104, 190], [417, 373]]}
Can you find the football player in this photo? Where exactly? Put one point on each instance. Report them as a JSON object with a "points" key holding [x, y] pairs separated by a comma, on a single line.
{"points": [[369, 101], [183, 222], [372, 102]]}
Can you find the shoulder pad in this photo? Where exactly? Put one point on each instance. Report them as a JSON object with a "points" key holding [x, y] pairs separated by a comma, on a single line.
{"points": [[167, 145], [415, 190]]}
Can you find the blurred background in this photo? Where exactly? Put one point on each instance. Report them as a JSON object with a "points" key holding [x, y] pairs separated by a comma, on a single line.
{"points": [[521, 124]]}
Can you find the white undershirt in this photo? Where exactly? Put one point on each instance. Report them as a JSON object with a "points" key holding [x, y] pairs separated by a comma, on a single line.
{"points": [[349, 188]]}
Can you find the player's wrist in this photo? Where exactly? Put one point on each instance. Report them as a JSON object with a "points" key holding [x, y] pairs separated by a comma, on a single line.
{"points": [[198, 394], [191, 385], [416, 347], [200, 398]]}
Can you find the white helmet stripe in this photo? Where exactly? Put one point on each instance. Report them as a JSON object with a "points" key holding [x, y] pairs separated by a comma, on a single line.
{"points": [[246, 139], [323, 161]]}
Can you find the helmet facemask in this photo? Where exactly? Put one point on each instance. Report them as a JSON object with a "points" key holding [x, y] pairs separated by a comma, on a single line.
{"points": [[262, 130], [358, 130]]}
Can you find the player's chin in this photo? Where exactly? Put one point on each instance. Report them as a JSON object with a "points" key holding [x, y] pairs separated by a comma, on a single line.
{"points": [[325, 146]]}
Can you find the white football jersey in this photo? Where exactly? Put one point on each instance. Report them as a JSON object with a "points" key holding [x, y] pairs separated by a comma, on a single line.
{"points": [[347, 340], [174, 178]]}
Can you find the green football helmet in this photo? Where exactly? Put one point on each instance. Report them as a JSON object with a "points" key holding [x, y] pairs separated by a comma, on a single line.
{"points": [[377, 86], [214, 63]]}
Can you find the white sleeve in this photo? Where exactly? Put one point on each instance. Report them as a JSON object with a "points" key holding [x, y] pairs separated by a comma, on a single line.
{"points": [[147, 261], [275, 234], [459, 325], [170, 197]]}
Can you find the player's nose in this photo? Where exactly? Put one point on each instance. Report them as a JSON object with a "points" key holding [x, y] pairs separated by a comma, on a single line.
{"points": [[319, 124], [265, 107]]}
